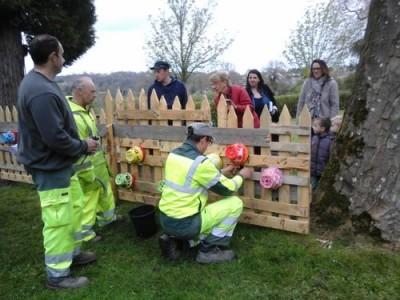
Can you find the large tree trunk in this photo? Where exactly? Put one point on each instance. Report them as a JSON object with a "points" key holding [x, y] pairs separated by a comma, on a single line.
{"points": [[362, 182], [11, 65]]}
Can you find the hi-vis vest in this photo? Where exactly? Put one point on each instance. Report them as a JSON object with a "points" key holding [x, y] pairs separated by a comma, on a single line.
{"points": [[186, 185], [92, 169]]}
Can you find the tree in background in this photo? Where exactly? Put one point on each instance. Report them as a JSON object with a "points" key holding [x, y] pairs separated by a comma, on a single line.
{"points": [[181, 38], [273, 73], [71, 21], [361, 185], [328, 31]]}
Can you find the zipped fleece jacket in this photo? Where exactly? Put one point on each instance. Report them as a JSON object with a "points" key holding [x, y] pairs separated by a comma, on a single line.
{"points": [[169, 91], [320, 152], [48, 138]]}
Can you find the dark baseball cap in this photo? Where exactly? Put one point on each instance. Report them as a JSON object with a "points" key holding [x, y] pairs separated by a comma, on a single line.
{"points": [[159, 64], [200, 129]]}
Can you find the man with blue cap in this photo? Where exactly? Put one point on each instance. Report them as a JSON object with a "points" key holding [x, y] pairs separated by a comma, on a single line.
{"points": [[167, 86]]}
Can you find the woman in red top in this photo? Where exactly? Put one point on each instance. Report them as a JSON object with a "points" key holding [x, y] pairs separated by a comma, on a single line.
{"points": [[235, 95]]}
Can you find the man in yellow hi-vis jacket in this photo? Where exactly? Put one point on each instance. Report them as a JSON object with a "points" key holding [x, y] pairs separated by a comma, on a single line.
{"points": [[92, 170], [184, 214]]}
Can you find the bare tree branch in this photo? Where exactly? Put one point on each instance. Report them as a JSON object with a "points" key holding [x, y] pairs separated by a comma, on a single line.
{"points": [[327, 31], [181, 38]]}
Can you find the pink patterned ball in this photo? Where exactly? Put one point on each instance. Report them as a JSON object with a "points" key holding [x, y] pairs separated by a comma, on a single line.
{"points": [[271, 178]]}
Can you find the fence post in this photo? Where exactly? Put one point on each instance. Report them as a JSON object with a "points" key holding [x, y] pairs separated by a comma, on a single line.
{"points": [[304, 119], [109, 108]]}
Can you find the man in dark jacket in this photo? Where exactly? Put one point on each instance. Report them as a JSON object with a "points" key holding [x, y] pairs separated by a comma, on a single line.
{"points": [[167, 86], [48, 146]]}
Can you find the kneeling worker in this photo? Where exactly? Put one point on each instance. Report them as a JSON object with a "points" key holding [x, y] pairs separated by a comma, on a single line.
{"points": [[184, 214]]}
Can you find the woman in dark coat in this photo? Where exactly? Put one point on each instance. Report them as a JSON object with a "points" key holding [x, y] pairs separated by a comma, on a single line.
{"points": [[261, 94]]}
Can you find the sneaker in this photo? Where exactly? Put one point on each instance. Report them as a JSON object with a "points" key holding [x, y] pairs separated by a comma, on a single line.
{"points": [[170, 247], [67, 283], [97, 238], [214, 256], [83, 258]]}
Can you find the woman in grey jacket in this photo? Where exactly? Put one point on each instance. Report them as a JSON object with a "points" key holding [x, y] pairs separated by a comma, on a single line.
{"points": [[319, 92]]}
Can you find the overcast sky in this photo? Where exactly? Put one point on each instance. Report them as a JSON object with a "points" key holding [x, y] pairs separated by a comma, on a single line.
{"points": [[260, 29]]}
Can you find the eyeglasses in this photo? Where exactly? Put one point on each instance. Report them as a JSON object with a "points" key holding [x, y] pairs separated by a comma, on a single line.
{"points": [[209, 140]]}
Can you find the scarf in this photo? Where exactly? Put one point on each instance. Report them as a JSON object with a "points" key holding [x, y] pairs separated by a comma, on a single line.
{"points": [[313, 96]]}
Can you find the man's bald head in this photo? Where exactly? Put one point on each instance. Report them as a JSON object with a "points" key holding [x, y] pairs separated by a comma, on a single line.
{"points": [[83, 91]]}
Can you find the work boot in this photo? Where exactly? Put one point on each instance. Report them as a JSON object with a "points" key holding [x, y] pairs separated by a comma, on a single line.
{"points": [[170, 247], [214, 256], [67, 283], [83, 258]]}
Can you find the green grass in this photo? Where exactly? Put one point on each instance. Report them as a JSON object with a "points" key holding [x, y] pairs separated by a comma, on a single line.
{"points": [[271, 264]]}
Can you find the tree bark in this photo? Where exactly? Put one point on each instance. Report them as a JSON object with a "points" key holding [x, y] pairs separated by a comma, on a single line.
{"points": [[11, 63], [362, 182]]}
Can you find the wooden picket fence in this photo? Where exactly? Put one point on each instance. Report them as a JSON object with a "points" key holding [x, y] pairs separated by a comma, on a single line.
{"points": [[127, 122], [10, 169]]}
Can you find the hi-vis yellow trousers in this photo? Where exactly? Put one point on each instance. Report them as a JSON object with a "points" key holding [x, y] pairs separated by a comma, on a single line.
{"points": [[61, 214]]}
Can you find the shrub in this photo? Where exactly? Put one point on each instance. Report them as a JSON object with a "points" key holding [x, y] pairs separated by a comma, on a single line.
{"points": [[290, 100]]}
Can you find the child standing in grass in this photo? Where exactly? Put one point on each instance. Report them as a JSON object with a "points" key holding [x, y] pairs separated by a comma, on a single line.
{"points": [[321, 144]]}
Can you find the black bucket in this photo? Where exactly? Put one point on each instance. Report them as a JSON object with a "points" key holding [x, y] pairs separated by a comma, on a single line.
{"points": [[144, 220]]}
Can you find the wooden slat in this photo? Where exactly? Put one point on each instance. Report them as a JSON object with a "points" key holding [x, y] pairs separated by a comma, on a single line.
{"points": [[112, 157], [250, 137], [254, 160], [15, 177], [222, 113], [6, 126], [289, 147], [287, 179], [248, 122], [8, 115], [109, 109], [2, 115], [304, 192], [284, 191], [176, 115], [280, 162], [276, 207], [136, 197], [14, 167], [130, 100], [275, 222], [289, 129]]}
